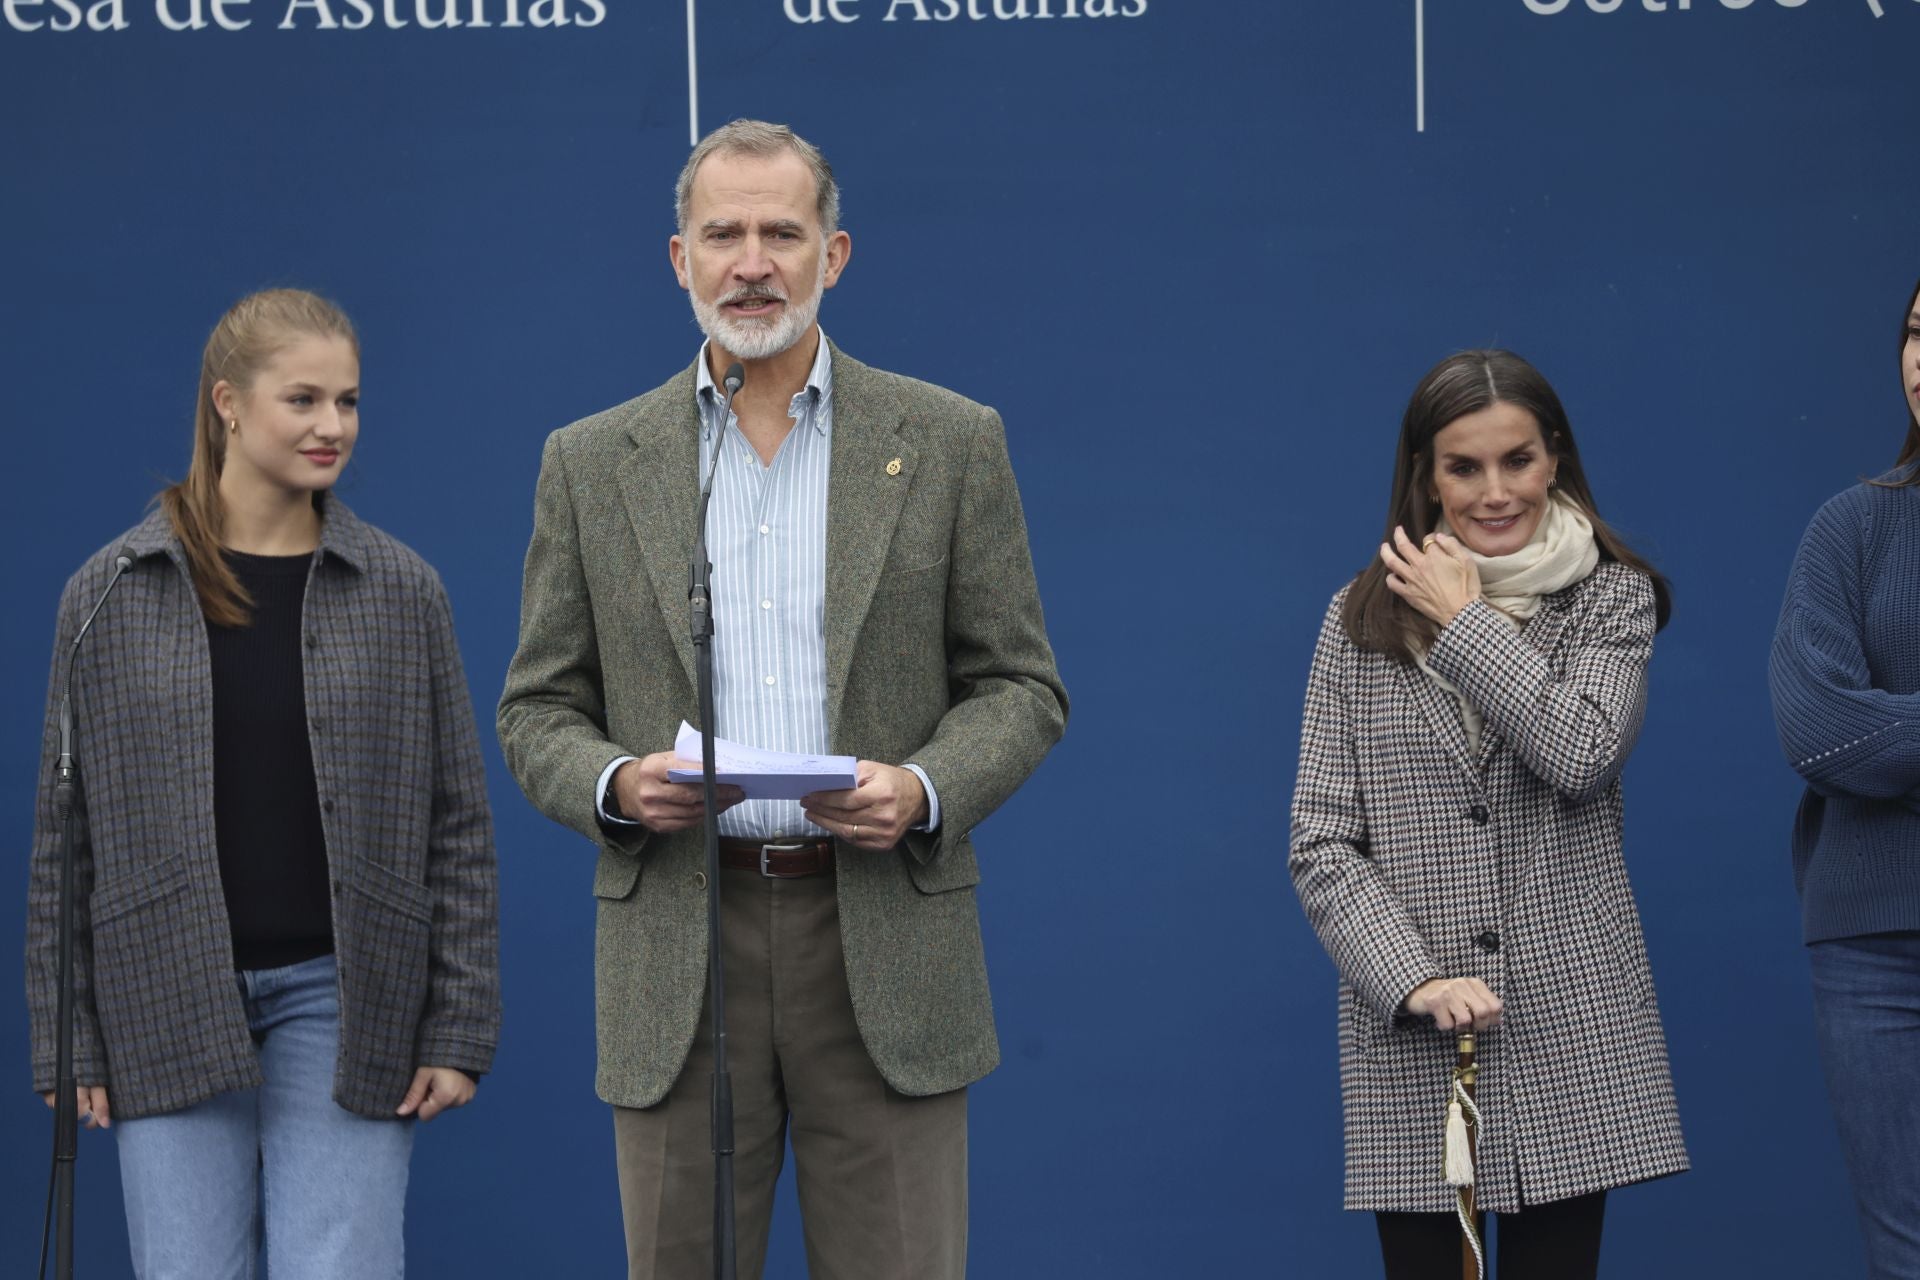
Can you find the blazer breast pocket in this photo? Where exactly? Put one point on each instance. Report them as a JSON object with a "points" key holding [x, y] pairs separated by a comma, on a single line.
{"points": [[925, 577]]}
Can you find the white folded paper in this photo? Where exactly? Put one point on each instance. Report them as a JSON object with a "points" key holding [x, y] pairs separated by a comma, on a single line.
{"points": [[763, 775]]}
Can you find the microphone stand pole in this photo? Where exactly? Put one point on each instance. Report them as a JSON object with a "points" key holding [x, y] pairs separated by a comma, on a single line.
{"points": [[700, 601], [66, 1106]]}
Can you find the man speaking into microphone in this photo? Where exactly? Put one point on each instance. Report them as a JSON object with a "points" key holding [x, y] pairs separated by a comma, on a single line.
{"points": [[873, 596]]}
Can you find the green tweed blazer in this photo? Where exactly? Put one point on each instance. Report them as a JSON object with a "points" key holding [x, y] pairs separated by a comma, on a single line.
{"points": [[937, 654]]}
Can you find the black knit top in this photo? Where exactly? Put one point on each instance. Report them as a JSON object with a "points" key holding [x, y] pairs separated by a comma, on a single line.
{"points": [[273, 854]]}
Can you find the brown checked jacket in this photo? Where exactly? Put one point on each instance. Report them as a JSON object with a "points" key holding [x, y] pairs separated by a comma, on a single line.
{"points": [[403, 798]]}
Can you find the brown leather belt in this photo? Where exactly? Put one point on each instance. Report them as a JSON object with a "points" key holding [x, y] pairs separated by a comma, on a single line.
{"points": [[778, 859]]}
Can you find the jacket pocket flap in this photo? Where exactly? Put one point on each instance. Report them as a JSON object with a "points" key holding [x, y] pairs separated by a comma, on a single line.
{"points": [[391, 889], [954, 868], [615, 875], [125, 893]]}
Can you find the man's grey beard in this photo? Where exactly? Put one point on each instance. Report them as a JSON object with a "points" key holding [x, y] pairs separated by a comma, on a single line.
{"points": [[758, 339]]}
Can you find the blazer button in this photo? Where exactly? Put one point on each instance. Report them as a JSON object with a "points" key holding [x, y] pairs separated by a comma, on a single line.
{"points": [[313, 640], [699, 879], [1489, 941], [1479, 815], [327, 805]]}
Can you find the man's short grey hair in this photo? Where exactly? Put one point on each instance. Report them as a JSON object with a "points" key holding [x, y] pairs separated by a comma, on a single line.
{"points": [[763, 140]]}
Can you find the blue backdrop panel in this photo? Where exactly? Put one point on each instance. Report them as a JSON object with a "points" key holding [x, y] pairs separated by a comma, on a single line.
{"points": [[1198, 257]]}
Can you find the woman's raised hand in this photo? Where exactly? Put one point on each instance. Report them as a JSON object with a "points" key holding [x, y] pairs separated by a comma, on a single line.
{"points": [[1439, 578]]}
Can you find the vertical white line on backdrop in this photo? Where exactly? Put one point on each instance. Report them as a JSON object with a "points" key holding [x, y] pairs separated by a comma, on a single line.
{"points": [[693, 85], [1419, 65]]}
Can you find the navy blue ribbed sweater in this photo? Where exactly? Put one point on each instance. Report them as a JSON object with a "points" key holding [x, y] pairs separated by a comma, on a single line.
{"points": [[1845, 676]]}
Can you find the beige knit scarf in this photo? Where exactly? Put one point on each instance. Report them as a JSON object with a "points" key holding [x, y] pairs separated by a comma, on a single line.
{"points": [[1560, 553]]}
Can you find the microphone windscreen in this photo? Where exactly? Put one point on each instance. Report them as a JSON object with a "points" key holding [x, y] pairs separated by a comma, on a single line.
{"points": [[736, 376]]}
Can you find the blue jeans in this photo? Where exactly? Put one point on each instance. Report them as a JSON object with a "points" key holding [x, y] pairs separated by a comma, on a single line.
{"points": [[1866, 1003], [328, 1186]]}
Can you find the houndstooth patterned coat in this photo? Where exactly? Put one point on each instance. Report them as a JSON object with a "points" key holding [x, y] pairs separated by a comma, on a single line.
{"points": [[1415, 861], [157, 1016]]}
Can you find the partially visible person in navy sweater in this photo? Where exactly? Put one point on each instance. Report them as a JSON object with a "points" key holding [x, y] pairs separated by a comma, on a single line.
{"points": [[1846, 696]]}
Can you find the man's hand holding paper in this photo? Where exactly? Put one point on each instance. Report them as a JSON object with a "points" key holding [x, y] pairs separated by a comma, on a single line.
{"points": [[643, 792], [876, 813]]}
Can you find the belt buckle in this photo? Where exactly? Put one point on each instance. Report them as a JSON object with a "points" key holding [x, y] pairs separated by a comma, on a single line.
{"points": [[793, 846]]}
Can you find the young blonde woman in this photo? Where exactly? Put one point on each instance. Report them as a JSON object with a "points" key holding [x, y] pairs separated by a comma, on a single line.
{"points": [[1457, 835], [286, 946]]}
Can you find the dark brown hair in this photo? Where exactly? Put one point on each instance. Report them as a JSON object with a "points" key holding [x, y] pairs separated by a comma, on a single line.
{"points": [[247, 337], [1910, 451], [1380, 621]]}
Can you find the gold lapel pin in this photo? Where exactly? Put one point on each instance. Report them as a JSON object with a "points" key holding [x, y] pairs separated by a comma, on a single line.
{"points": [[893, 468]]}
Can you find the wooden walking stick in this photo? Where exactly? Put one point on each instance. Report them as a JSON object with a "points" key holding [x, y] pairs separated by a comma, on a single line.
{"points": [[1463, 1133]]}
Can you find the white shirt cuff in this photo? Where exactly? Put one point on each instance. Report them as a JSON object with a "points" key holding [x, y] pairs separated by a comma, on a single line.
{"points": [[600, 795], [933, 799]]}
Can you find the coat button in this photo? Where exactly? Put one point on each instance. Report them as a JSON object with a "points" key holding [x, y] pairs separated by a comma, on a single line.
{"points": [[699, 879], [1489, 941], [313, 640], [1479, 815], [327, 805]]}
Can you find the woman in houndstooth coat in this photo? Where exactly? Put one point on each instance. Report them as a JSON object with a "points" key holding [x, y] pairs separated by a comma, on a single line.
{"points": [[1457, 834]]}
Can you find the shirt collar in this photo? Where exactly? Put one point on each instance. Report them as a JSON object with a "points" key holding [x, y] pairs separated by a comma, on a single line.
{"points": [[818, 390]]}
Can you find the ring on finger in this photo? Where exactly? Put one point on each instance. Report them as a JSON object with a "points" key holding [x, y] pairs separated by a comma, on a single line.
{"points": [[1426, 543], [856, 831]]}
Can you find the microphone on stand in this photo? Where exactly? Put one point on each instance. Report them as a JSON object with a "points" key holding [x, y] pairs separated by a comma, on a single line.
{"points": [[700, 600], [66, 1109], [735, 378], [64, 772], [700, 579]]}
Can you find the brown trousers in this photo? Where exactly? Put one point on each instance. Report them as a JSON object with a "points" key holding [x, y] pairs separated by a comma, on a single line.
{"points": [[881, 1177]]}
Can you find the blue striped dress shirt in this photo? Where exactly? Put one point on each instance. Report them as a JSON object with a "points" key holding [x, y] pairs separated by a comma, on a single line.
{"points": [[767, 534]]}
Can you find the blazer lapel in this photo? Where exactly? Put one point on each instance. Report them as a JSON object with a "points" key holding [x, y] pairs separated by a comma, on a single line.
{"points": [[660, 485], [1543, 629], [864, 501], [1441, 711]]}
